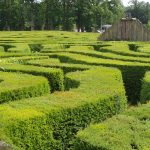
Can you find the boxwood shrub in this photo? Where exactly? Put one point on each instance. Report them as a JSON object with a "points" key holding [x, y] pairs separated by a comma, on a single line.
{"points": [[51, 122], [132, 72], [15, 86], [118, 133], [54, 76], [64, 66], [127, 131], [145, 91]]}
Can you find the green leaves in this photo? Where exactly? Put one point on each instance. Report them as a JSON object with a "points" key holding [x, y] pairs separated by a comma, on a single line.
{"points": [[54, 120], [16, 86], [84, 15]]}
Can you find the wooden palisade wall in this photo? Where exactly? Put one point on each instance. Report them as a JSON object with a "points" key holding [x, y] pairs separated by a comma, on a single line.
{"points": [[128, 29]]}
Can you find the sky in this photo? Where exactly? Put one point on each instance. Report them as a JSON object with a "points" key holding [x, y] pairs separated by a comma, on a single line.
{"points": [[125, 2]]}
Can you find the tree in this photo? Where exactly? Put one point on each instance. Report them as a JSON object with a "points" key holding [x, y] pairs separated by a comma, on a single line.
{"points": [[52, 14], [67, 11], [140, 10], [87, 15]]}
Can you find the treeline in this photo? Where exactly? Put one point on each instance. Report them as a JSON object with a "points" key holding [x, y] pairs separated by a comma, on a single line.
{"points": [[83, 15], [139, 9]]}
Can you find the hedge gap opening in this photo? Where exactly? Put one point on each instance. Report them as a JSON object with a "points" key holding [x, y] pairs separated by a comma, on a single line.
{"points": [[35, 47], [6, 47]]}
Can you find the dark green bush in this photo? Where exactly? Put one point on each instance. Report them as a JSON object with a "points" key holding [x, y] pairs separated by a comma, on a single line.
{"points": [[133, 47]]}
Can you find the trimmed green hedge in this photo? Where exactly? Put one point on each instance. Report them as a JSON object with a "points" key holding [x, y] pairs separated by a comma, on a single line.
{"points": [[122, 48], [44, 62], [145, 91], [15, 86], [7, 55], [19, 48], [1, 49], [128, 131], [54, 63], [132, 72], [54, 76], [118, 133], [52, 122], [47, 37], [142, 112], [86, 50], [133, 68], [144, 47], [52, 47], [23, 59]]}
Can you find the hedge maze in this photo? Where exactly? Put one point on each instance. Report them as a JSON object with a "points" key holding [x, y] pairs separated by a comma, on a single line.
{"points": [[67, 91]]}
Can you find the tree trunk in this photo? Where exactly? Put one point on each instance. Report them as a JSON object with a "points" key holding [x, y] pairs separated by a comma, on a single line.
{"points": [[78, 21], [7, 26]]}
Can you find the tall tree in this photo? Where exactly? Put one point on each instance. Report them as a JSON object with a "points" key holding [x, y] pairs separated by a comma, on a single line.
{"points": [[52, 14], [67, 11], [140, 10], [86, 15]]}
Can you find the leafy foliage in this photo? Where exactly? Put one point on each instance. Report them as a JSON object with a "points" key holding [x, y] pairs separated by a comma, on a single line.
{"points": [[54, 120], [58, 14], [120, 132], [90, 82], [19, 86]]}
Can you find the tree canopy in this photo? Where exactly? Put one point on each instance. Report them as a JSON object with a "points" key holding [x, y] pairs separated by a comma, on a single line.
{"points": [[83, 15], [58, 14], [140, 10]]}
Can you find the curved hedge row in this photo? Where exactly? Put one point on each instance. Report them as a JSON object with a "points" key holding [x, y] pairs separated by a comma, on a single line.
{"points": [[19, 48], [23, 59], [52, 122], [90, 51], [122, 48], [123, 132], [54, 76], [132, 72], [7, 55], [118, 133], [15, 86], [64, 66]]}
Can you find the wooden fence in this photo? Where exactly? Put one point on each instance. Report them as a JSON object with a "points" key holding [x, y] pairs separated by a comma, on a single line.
{"points": [[128, 29]]}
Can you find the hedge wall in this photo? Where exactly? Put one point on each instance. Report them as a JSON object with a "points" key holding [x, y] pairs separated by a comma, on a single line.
{"points": [[132, 72], [123, 132], [145, 91], [51, 122], [54, 76], [15, 86], [64, 66]]}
